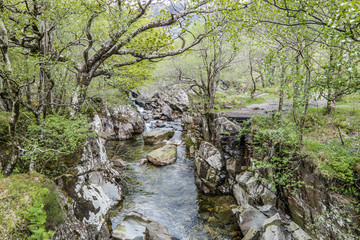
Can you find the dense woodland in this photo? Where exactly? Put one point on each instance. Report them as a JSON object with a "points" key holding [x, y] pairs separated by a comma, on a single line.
{"points": [[61, 60]]}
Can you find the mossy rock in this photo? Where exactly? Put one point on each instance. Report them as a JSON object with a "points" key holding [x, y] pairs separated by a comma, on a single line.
{"points": [[163, 156]]}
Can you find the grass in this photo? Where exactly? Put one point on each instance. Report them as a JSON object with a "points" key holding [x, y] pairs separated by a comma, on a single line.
{"points": [[28, 205], [332, 141]]}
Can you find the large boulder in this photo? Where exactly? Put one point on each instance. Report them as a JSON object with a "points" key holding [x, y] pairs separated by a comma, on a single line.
{"points": [[211, 177], [211, 155], [167, 103], [136, 226], [224, 126], [120, 123], [157, 136], [163, 156]]}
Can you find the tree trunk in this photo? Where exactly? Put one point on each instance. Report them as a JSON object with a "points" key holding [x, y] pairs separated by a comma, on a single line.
{"points": [[14, 141], [282, 81], [79, 96]]}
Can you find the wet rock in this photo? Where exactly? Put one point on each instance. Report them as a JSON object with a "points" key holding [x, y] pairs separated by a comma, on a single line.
{"points": [[156, 136], [274, 220], [136, 226], [143, 161], [163, 156], [160, 124], [252, 234], [141, 101], [156, 231], [119, 163], [250, 217]]}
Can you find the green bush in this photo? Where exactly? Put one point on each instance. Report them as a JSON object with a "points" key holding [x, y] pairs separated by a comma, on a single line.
{"points": [[275, 145], [48, 145]]}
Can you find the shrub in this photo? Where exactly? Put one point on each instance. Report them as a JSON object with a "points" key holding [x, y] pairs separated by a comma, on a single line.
{"points": [[275, 142], [48, 144]]}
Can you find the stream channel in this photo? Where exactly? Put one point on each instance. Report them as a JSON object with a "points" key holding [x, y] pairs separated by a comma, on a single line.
{"points": [[168, 194]]}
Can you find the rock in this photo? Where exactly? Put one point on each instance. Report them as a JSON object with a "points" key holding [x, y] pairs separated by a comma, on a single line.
{"points": [[256, 191], [252, 234], [274, 220], [94, 187], [224, 126], [156, 136], [160, 124], [211, 155], [163, 156], [119, 163], [143, 161], [120, 123], [71, 228], [240, 195], [136, 226], [250, 217], [140, 101], [166, 112], [297, 233], [156, 231], [273, 232]]}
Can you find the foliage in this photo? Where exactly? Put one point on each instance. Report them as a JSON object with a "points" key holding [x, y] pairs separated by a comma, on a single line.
{"points": [[25, 201], [333, 143], [48, 144], [275, 147], [4, 126]]}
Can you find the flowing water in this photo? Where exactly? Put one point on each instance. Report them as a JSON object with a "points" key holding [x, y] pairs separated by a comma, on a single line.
{"points": [[168, 194]]}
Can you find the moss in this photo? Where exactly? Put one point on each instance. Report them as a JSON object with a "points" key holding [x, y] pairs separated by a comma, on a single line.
{"points": [[4, 125], [188, 141], [29, 207]]}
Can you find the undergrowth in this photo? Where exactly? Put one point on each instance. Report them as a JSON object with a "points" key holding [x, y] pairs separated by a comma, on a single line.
{"points": [[29, 207]]}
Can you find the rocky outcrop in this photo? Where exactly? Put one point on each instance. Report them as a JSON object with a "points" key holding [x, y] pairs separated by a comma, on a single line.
{"points": [[320, 211], [163, 156], [137, 226], [120, 123], [93, 187], [167, 104], [210, 173], [310, 213], [258, 223], [157, 136]]}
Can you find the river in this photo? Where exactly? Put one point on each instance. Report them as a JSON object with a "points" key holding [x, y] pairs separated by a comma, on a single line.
{"points": [[168, 194]]}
